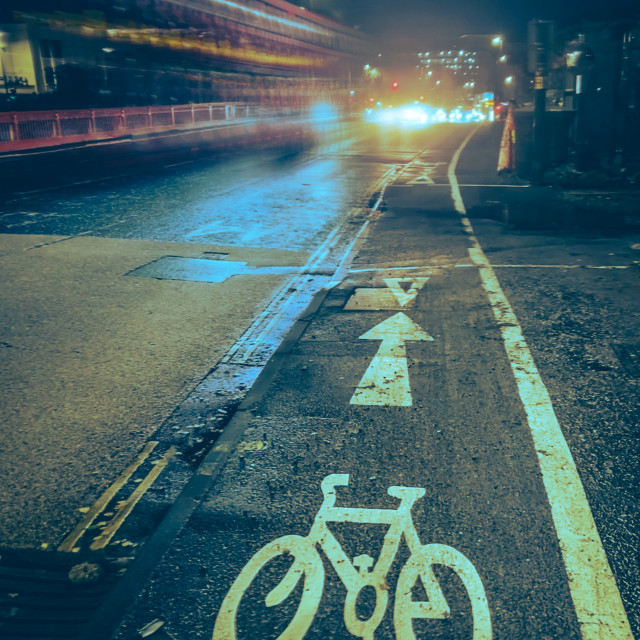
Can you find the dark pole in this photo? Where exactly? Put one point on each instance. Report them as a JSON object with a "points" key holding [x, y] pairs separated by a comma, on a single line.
{"points": [[581, 139], [621, 101], [540, 99]]}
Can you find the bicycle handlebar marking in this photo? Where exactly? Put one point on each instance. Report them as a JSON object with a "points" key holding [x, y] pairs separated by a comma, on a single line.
{"points": [[360, 573]]}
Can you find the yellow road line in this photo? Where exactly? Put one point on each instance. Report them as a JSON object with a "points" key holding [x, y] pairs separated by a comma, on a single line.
{"points": [[69, 542], [127, 507]]}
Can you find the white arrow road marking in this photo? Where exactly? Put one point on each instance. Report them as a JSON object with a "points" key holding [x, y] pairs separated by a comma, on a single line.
{"points": [[404, 296], [386, 381]]}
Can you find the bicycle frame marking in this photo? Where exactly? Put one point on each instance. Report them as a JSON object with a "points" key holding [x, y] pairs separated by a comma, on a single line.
{"points": [[361, 572], [399, 520]]}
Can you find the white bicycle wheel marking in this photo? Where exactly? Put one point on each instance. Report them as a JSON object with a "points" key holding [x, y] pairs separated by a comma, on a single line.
{"points": [[360, 572]]}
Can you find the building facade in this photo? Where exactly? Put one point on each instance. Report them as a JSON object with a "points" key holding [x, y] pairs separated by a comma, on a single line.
{"points": [[92, 53]]}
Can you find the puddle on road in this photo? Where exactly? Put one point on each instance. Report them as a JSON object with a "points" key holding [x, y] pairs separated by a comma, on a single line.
{"points": [[203, 269]]}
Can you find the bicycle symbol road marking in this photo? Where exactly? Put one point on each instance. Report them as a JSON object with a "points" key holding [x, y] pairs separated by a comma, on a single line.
{"points": [[360, 573]]}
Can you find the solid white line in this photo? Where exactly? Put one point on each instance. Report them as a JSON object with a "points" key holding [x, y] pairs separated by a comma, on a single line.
{"points": [[178, 164], [390, 269], [558, 266], [506, 186], [593, 588], [494, 266], [448, 185]]}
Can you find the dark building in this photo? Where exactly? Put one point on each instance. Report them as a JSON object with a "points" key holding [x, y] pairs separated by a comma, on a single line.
{"points": [[458, 73], [602, 85]]}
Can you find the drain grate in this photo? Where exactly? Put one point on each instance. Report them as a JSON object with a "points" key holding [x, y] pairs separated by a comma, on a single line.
{"points": [[629, 356], [50, 595]]}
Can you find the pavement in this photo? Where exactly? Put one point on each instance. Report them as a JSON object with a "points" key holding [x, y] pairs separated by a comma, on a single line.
{"points": [[81, 336], [466, 369]]}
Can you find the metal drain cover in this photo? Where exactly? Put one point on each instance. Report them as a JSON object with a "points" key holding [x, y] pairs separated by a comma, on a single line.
{"points": [[202, 269], [47, 595]]}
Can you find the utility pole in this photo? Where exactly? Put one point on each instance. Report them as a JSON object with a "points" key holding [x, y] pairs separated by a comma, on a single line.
{"points": [[580, 62], [539, 109], [541, 36]]}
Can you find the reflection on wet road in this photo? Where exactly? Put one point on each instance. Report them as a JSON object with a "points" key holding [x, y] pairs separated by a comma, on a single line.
{"points": [[261, 201]]}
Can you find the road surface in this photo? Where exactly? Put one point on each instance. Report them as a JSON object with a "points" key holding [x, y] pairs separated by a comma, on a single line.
{"points": [[451, 420]]}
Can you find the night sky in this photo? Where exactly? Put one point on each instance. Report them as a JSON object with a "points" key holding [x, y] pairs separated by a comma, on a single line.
{"points": [[414, 24]]}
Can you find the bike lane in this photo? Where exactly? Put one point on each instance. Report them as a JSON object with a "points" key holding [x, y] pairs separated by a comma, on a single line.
{"points": [[398, 379]]}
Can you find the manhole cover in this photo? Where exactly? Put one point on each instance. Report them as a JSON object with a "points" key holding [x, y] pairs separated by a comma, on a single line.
{"points": [[202, 269]]}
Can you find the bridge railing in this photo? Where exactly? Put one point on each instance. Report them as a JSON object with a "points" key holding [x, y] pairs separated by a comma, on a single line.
{"points": [[32, 129]]}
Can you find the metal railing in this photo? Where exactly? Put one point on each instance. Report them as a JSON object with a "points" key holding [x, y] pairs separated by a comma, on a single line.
{"points": [[32, 129]]}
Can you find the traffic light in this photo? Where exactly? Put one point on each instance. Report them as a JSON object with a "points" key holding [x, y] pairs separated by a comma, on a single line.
{"points": [[395, 86]]}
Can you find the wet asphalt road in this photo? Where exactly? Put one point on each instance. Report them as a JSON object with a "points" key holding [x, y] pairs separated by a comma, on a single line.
{"points": [[336, 402]]}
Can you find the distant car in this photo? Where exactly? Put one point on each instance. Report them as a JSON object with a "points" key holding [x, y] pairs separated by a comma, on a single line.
{"points": [[410, 115], [460, 115]]}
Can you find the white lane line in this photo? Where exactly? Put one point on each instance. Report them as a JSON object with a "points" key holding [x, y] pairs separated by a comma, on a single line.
{"points": [[558, 266], [255, 335], [178, 164], [448, 185], [493, 266], [494, 186], [341, 270], [593, 588], [373, 269]]}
